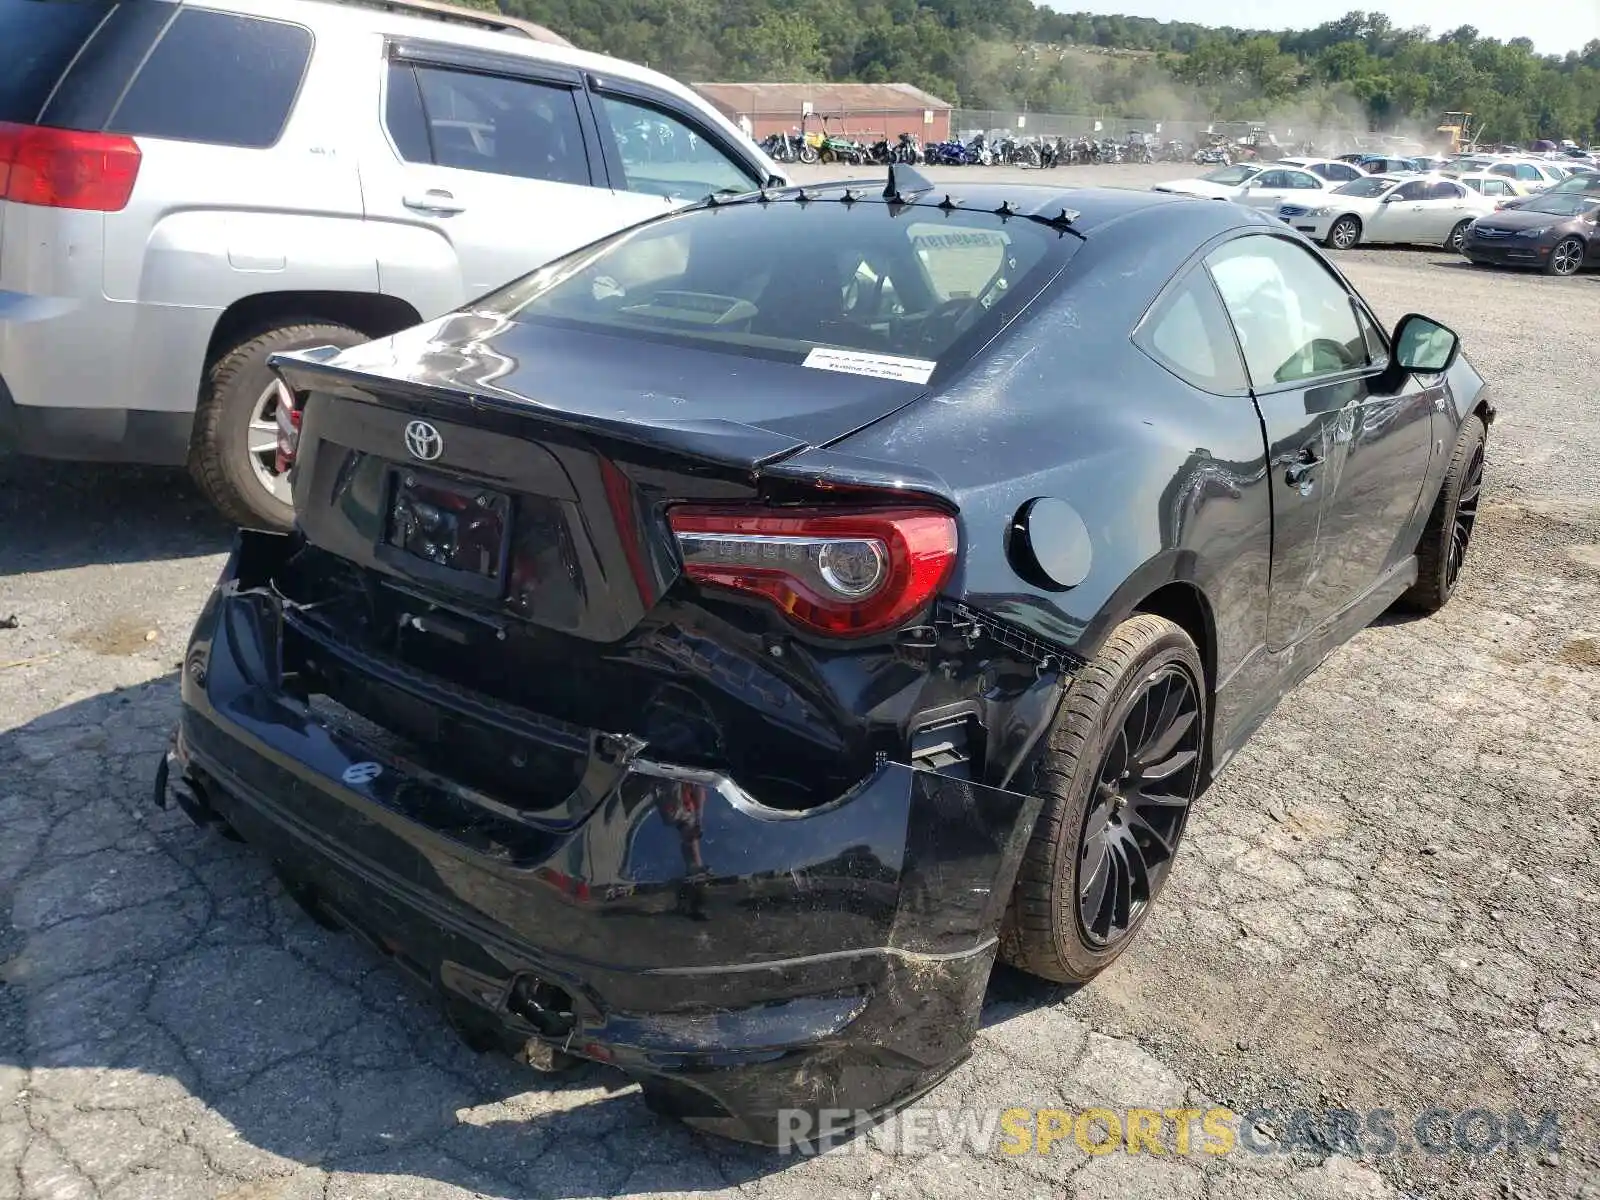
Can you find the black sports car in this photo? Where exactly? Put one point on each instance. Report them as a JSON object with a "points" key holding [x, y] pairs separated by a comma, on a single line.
{"points": [[707, 653]]}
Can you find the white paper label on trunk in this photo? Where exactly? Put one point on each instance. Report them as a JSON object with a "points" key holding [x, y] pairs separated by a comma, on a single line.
{"points": [[879, 366]]}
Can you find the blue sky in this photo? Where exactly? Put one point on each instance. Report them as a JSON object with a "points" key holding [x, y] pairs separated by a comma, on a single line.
{"points": [[1555, 26]]}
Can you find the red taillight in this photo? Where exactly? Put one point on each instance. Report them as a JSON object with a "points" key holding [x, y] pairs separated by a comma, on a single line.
{"points": [[66, 168], [844, 574], [288, 420]]}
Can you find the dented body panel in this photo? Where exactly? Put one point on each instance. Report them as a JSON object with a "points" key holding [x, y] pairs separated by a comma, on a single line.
{"points": [[742, 957]]}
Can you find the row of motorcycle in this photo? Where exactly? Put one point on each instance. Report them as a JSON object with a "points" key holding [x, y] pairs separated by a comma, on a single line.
{"points": [[987, 150]]}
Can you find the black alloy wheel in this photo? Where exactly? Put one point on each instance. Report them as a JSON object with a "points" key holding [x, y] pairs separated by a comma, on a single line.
{"points": [[1466, 516], [1116, 774], [1141, 798], [1442, 548]]}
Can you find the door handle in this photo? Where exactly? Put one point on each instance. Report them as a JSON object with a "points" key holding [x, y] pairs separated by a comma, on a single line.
{"points": [[435, 200], [1308, 461]]}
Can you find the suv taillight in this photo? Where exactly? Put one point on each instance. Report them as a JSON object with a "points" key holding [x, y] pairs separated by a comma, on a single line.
{"points": [[67, 168], [287, 417], [844, 574]]}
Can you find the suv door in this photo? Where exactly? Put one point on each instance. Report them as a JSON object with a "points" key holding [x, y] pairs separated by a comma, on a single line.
{"points": [[658, 154], [1347, 464], [487, 166]]}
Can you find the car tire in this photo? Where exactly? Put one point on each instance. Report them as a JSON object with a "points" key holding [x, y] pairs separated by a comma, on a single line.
{"points": [[1445, 539], [1054, 928], [1567, 257], [236, 395], [1344, 234], [1458, 237]]}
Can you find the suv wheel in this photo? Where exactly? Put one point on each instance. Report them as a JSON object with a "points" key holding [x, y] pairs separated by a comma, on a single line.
{"points": [[232, 453]]}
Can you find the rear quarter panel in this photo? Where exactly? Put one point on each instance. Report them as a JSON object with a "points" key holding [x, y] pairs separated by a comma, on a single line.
{"points": [[210, 225]]}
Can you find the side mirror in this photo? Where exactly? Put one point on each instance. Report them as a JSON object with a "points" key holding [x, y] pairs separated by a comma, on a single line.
{"points": [[1422, 346]]}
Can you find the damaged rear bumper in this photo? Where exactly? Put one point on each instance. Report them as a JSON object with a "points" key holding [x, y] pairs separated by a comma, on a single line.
{"points": [[741, 961]]}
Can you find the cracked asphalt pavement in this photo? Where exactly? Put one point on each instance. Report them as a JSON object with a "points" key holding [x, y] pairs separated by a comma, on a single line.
{"points": [[1387, 902]]}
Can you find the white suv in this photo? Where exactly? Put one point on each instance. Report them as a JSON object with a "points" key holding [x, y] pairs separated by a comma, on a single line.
{"points": [[187, 188]]}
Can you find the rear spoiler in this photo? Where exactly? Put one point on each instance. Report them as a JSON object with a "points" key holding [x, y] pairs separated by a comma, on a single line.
{"points": [[718, 442]]}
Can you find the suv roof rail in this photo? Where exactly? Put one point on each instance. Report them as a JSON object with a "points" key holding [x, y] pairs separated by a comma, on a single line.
{"points": [[441, 11]]}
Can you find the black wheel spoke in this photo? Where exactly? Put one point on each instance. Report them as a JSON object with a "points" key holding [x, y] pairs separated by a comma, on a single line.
{"points": [[1141, 824], [1160, 751], [1178, 761], [1122, 897]]}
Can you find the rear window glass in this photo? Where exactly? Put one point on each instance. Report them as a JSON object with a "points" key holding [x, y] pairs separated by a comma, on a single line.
{"points": [[788, 280], [41, 38], [219, 78]]}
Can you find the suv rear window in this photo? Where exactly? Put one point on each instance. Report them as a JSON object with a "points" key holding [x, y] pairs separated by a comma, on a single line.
{"points": [[41, 38], [789, 280], [218, 78]]}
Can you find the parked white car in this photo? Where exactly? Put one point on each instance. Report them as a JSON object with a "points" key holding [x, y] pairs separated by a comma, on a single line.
{"points": [[1534, 174], [1496, 187], [1255, 185], [1224, 183], [1424, 209]]}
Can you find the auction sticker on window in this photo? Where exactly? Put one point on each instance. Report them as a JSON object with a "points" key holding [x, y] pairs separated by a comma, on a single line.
{"points": [[879, 366]]}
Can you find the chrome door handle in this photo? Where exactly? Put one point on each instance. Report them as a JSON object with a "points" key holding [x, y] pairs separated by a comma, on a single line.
{"points": [[435, 200]]}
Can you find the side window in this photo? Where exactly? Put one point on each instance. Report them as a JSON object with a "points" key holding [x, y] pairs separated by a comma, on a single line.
{"points": [[219, 78], [1187, 333], [664, 156], [1529, 174], [1505, 169], [1445, 191], [1272, 179], [1294, 318], [502, 126], [1341, 172], [1495, 187], [404, 117], [1300, 181], [1417, 189]]}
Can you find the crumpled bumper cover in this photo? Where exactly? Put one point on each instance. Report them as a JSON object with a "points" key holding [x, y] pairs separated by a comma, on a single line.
{"points": [[740, 960]]}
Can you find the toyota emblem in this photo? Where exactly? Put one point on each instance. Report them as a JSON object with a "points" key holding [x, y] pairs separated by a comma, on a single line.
{"points": [[423, 441]]}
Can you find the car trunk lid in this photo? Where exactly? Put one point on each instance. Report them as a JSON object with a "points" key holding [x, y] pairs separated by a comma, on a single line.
{"points": [[560, 448]]}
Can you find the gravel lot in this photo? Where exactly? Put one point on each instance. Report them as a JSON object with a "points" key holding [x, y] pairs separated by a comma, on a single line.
{"points": [[1388, 902]]}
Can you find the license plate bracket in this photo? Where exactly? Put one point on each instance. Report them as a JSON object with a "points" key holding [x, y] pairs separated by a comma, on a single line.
{"points": [[446, 530]]}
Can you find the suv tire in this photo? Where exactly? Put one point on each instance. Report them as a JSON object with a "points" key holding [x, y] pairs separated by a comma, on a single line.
{"points": [[236, 390]]}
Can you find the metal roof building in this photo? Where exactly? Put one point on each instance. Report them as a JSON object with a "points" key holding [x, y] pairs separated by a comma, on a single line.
{"points": [[866, 111]]}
